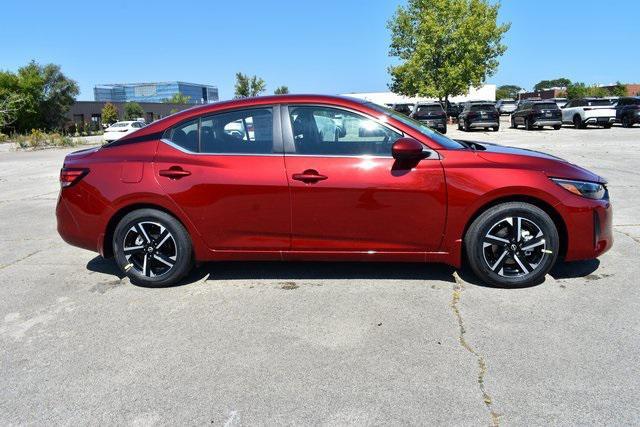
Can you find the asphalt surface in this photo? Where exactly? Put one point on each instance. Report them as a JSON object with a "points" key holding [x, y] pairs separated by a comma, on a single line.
{"points": [[315, 343]]}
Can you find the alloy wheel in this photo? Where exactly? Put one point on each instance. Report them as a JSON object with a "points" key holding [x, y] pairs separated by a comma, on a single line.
{"points": [[150, 248], [514, 247]]}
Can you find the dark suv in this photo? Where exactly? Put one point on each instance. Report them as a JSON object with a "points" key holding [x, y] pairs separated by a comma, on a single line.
{"points": [[431, 114], [628, 111], [403, 108], [537, 114], [479, 115]]}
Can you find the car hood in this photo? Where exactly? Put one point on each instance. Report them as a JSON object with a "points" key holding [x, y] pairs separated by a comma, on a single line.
{"points": [[552, 166]]}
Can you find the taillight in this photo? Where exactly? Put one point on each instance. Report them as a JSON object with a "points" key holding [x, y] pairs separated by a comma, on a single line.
{"points": [[70, 176]]}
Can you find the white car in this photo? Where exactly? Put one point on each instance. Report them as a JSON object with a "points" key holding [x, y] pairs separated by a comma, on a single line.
{"points": [[506, 106], [589, 111], [120, 129]]}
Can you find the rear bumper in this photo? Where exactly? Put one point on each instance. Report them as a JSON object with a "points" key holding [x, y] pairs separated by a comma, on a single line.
{"points": [[484, 124], [548, 122]]}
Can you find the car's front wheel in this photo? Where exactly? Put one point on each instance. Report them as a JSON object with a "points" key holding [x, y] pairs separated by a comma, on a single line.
{"points": [[512, 244], [152, 247]]}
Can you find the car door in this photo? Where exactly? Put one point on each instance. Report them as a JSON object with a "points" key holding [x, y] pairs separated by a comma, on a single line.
{"points": [[226, 172], [349, 195]]}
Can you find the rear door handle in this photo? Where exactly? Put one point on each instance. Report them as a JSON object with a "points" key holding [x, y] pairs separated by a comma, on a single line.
{"points": [[174, 172], [309, 175]]}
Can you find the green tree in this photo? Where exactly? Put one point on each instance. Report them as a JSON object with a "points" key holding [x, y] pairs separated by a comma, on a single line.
{"points": [[282, 90], [246, 86], [618, 90], [45, 95], [109, 113], [548, 84], [508, 92], [178, 98], [444, 46], [133, 110]]}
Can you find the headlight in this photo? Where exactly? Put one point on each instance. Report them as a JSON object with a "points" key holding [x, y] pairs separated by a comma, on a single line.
{"points": [[590, 190]]}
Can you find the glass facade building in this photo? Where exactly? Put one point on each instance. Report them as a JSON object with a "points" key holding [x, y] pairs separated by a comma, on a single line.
{"points": [[155, 92]]}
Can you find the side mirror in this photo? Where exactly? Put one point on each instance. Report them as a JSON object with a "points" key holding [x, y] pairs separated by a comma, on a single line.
{"points": [[408, 149]]}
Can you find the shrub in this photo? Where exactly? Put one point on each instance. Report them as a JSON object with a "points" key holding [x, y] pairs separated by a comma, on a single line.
{"points": [[3, 137]]}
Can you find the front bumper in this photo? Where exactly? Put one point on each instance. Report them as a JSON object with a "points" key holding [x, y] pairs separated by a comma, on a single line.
{"points": [[599, 120], [589, 228]]}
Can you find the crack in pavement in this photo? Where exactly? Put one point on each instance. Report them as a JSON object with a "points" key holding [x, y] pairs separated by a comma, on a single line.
{"points": [[635, 239], [3, 266], [458, 287]]}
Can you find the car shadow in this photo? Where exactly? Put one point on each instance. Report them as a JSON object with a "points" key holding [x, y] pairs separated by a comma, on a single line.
{"points": [[291, 271]]}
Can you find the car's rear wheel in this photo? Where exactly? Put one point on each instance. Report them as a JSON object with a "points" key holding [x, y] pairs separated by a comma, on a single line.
{"points": [[512, 244], [467, 128], [627, 122], [513, 124], [527, 124], [496, 128], [557, 127], [152, 248]]}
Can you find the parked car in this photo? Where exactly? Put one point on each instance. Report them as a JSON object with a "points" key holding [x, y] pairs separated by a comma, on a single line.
{"points": [[537, 114], [479, 115], [589, 111], [403, 108], [453, 109], [182, 191], [628, 111], [431, 114], [121, 129], [506, 106]]}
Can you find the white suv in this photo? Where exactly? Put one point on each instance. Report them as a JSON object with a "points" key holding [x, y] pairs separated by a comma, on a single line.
{"points": [[589, 111]]}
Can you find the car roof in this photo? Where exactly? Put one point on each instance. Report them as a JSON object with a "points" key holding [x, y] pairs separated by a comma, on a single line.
{"points": [[428, 103]]}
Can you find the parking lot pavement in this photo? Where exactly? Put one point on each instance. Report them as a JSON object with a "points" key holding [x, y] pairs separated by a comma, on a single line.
{"points": [[311, 343]]}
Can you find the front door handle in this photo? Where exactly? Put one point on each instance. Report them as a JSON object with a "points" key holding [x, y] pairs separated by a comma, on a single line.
{"points": [[309, 176], [174, 172]]}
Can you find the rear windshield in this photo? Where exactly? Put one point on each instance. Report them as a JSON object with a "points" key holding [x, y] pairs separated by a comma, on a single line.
{"points": [[424, 109], [598, 102], [508, 102], [546, 106], [483, 107]]}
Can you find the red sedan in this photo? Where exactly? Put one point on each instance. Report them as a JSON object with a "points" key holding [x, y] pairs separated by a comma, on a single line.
{"points": [[307, 177]]}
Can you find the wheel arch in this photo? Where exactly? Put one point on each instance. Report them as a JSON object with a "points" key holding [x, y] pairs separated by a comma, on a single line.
{"points": [[107, 248], [557, 219]]}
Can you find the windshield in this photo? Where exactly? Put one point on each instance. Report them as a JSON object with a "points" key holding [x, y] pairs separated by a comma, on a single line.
{"points": [[423, 110], [508, 102], [414, 124]]}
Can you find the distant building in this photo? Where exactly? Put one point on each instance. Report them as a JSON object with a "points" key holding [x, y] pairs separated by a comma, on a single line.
{"points": [[90, 112], [154, 92], [483, 93]]}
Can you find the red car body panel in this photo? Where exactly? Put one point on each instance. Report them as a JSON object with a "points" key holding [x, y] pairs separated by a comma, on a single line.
{"points": [[239, 207]]}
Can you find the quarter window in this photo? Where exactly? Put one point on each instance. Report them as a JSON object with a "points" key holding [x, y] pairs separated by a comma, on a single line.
{"points": [[331, 131]]}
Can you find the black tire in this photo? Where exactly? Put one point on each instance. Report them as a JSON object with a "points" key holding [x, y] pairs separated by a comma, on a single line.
{"points": [[444, 130], [608, 126], [627, 122], [459, 125], [504, 264], [152, 248], [496, 128], [577, 122], [513, 124], [466, 126], [527, 124], [557, 127]]}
